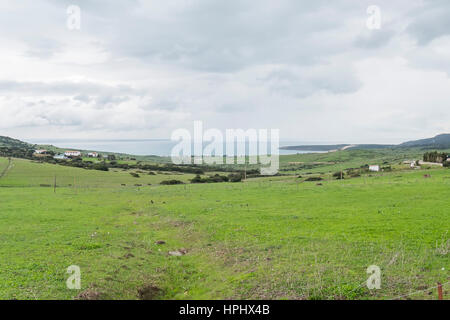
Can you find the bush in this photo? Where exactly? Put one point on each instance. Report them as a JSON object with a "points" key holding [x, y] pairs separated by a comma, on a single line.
{"points": [[338, 175], [197, 179], [235, 177], [314, 179], [171, 182], [136, 175], [211, 179], [100, 166]]}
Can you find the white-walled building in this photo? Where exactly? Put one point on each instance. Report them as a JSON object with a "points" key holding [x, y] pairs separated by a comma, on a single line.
{"points": [[374, 168]]}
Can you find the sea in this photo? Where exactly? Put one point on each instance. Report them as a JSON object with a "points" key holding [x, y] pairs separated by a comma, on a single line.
{"points": [[145, 147]]}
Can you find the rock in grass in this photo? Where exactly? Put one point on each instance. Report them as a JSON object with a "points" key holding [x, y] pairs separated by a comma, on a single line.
{"points": [[160, 242], [178, 253]]}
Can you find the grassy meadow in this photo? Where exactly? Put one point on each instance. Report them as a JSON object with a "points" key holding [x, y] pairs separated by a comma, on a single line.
{"points": [[265, 238]]}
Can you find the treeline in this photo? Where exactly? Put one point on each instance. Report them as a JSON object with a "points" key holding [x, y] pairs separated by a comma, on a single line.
{"points": [[233, 177], [16, 152], [435, 157]]}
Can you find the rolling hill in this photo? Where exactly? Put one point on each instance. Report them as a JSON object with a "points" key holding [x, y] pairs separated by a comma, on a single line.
{"points": [[441, 141]]}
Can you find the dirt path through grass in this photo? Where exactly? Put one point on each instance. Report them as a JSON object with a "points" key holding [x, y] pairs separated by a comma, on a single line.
{"points": [[8, 167]]}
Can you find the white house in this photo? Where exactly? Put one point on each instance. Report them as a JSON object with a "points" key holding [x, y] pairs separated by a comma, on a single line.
{"points": [[60, 156], [41, 151], [72, 154], [374, 167], [93, 155]]}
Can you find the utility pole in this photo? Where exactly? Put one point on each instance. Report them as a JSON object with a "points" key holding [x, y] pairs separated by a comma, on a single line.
{"points": [[54, 185]]}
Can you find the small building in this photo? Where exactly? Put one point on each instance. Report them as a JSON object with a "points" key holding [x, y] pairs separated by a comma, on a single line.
{"points": [[375, 168], [40, 151], [60, 157], [72, 154], [93, 155]]}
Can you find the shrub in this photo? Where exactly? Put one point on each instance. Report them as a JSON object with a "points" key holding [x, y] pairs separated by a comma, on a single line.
{"points": [[211, 179], [197, 179], [314, 179], [235, 177], [338, 175], [136, 175], [100, 166], [171, 182]]}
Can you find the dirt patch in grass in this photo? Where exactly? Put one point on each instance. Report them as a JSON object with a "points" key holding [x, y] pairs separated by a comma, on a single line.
{"points": [[149, 292], [88, 294]]}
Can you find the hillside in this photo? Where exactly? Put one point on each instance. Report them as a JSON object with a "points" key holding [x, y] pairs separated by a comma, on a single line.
{"points": [[441, 141], [21, 148], [14, 143]]}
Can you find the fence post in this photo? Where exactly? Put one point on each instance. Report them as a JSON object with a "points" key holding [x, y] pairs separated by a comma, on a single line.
{"points": [[440, 294]]}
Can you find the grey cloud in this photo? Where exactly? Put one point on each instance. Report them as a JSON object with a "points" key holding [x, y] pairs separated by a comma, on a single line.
{"points": [[225, 36], [83, 98], [79, 89], [110, 99], [43, 48], [372, 39], [430, 21], [303, 82]]}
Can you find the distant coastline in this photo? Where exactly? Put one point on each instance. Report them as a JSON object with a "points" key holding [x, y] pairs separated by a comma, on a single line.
{"points": [[140, 147]]}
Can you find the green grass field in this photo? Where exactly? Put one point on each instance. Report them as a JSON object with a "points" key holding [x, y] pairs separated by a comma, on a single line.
{"points": [[265, 238]]}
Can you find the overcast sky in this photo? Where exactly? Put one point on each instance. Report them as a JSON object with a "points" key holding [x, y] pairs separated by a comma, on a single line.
{"points": [[141, 69]]}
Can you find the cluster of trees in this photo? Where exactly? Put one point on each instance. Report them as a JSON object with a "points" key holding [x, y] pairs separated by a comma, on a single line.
{"points": [[16, 152], [79, 163], [233, 177], [435, 157]]}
